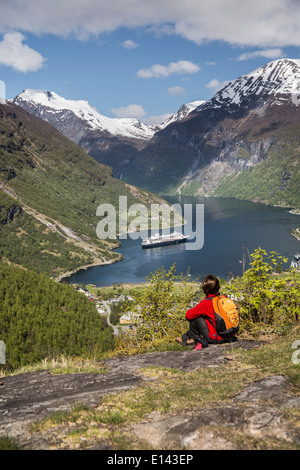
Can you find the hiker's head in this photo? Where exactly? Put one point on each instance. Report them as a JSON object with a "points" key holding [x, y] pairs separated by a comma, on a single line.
{"points": [[211, 285]]}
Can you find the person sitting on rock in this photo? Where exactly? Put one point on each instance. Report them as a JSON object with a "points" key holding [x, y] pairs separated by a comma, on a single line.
{"points": [[202, 322]]}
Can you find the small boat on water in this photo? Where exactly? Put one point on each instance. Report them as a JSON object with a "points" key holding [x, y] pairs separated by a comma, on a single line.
{"points": [[163, 240]]}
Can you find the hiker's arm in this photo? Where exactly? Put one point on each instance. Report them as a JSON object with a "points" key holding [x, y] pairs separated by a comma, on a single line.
{"points": [[194, 312]]}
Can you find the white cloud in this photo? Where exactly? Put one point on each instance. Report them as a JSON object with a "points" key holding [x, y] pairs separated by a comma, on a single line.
{"points": [[176, 90], [268, 53], [156, 120], [268, 23], [15, 54], [131, 111], [215, 85], [137, 111], [2, 90], [129, 44], [159, 71]]}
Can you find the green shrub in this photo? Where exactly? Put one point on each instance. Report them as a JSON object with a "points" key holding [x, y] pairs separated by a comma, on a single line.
{"points": [[159, 306], [264, 296]]}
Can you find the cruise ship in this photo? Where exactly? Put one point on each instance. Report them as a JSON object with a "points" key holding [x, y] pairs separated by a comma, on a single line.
{"points": [[162, 240]]}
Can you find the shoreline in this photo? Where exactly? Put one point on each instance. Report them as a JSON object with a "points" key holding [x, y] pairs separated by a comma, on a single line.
{"points": [[85, 267], [101, 263], [104, 263], [294, 233]]}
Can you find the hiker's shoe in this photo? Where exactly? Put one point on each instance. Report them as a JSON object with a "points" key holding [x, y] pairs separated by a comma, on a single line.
{"points": [[191, 342], [179, 341], [198, 346]]}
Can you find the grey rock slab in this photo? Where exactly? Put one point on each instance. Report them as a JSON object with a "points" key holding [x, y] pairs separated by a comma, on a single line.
{"points": [[28, 397], [272, 388], [211, 428]]}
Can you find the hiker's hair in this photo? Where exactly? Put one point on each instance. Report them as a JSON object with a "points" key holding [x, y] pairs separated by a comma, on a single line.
{"points": [[211, 284]]}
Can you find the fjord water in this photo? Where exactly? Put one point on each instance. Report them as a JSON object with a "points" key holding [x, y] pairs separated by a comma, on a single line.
{"points": [[232, 229]]}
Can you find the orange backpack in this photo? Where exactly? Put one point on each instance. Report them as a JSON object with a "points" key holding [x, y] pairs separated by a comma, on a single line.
{"points": [[226, 309]]}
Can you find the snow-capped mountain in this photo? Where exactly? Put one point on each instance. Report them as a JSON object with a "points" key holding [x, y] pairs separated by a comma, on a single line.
{"points": [[253, 123], [181, 114], [48, 105], [278, 80]]}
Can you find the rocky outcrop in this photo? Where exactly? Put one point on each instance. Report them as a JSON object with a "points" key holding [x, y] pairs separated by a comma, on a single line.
{"points": [[8, 173], [257, 411], [8, 214], [259, 416]]}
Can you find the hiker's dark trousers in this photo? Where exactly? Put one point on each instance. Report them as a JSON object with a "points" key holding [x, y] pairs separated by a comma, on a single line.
{"points": [[198, 327]]}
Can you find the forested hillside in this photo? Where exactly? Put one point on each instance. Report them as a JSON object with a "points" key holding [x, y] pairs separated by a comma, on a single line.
{"points": [[26, 241], [40, 318]]}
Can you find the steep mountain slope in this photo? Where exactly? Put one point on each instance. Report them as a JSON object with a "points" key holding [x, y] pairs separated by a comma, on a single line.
{"points": [[50, 190], [248, 132]]}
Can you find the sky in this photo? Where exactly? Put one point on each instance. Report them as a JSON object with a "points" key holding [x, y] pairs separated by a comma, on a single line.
{"points": [[140, 58]]}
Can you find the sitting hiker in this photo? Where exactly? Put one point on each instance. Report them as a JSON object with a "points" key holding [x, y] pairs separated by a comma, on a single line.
{"points": [[205, 325]]}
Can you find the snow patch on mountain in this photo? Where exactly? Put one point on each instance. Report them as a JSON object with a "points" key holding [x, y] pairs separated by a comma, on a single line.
{"points": [[182, 113]]}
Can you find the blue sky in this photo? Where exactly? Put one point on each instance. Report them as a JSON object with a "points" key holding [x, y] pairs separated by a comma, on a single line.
{"points": [[138, 58]]}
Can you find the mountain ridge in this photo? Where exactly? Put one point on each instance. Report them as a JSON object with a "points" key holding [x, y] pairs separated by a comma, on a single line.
{"points": [[131, 128], [52, 102], [112, 141], [278, 77]]}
